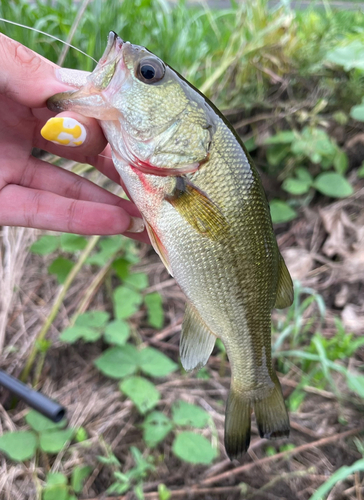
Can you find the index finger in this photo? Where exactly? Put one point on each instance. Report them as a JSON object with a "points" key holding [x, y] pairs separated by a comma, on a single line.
{"points": [[21, 72]]}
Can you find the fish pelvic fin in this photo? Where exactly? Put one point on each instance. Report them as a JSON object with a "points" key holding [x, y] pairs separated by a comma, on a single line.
{"points": [[158, 247], [270, 413], [284, 296], [197, 340]]}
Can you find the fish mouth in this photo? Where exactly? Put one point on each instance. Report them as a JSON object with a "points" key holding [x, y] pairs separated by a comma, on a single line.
{"points": [[113, 47]]}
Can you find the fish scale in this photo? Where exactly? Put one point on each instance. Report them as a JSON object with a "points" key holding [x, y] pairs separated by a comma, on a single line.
{"points": [[208, 219]]}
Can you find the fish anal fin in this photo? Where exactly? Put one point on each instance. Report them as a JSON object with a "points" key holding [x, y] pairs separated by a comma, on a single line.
{"points": [[197, 340], [198, 209], [284, 296], [158, 246]]}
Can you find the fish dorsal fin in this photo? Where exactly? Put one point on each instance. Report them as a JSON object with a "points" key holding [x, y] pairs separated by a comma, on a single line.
{"points": [[158, 246], [198, 209], [197, 340], [284, 296]]}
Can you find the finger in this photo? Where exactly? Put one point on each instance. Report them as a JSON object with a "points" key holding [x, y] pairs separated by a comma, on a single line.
{"points": [[20, 206], [73, 131], [21, 72], [46, 177]]}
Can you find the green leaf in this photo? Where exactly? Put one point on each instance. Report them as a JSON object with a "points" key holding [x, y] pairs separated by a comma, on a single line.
{"points": [[163, 492], [79, 474], [81, 435], [40, 423], [121, 267], [281, 212], [45, 245], [19, 445], [109, 247], [156, 426], [56, 492], [193, 448], [126, 302], [154, 305], [143, 393], [351, 56], [338, 476], [117, 332], [296, 186], [190, 415], [333, 184], [284, 137], [155, 363], [54, 441], [54, 478], [74, 333], [276, 154], [356, 383], [360, 172], [94, 319], [341, 162], [72, 242], [137, 280], [117, 362], [303, 174], [61, 267], [357, 112]]}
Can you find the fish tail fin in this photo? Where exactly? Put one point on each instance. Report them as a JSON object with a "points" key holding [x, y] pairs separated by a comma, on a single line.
{"points": [[271, 414], [237, 424]]}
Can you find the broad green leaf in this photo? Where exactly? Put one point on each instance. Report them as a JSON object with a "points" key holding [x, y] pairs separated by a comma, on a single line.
{"points": [[303, 174], [19, 445], [117, 332], [54, 441], [81, 435], [333, 184], [284, 137], [193, 448], [357, 112], [191, 415], [109, 247], [61, 267], [121, 267], [79, 474], [156, 426], [281, 212], [155, 363], [154, 305], [117, 362], [350, 56], [56, 492], [45, 245], [341, 162], [40, 423], [94, 319], [276, 154], [296, 186], [55, 478], [361, 171], [126, 302], [72, 242], [74, 333], [143, 393], [163, 492], [137, 280]]}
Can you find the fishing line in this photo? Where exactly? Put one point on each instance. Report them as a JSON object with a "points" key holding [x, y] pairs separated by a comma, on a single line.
{"points": [[47, 34]]}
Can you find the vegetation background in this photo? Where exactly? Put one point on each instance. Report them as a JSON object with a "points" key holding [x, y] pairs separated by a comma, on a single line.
{"points": [[95, 322]]}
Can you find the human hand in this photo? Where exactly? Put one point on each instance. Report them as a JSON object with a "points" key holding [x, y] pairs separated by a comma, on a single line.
{"points": [[34, 193]]}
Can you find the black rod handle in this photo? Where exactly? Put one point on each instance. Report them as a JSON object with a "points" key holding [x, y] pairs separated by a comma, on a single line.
{"points": [[36, 400]]}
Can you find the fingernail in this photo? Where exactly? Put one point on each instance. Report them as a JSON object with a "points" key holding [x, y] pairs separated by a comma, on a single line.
{"points": [[65, 131], [136, 225], [72, 77]]}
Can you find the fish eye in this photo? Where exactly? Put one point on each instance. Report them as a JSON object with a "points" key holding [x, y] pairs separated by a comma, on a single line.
{"points": [[150, 70]]}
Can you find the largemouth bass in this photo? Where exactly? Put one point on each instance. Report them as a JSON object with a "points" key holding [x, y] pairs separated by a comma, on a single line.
{"points": [[207, 216]]}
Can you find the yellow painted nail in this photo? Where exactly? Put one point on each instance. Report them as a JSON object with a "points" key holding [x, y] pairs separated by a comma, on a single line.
{"points": [[65, 131]]}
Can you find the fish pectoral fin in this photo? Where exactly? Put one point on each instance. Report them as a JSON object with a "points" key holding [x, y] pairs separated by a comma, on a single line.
{"points": [[284, 296], [197, 340], [198, 209], [158, 247]]}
